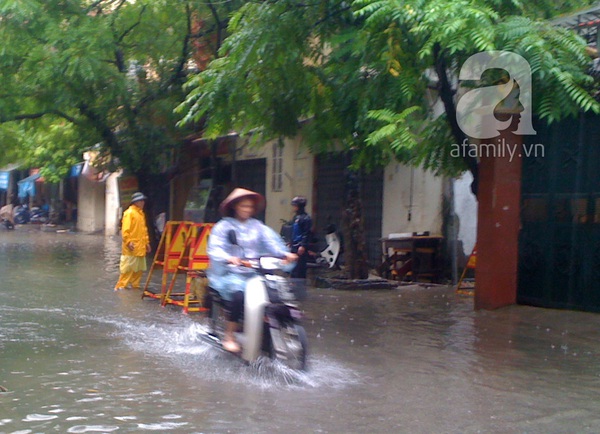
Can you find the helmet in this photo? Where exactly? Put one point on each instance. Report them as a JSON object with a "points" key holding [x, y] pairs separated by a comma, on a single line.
{"points": [[299, 201]]}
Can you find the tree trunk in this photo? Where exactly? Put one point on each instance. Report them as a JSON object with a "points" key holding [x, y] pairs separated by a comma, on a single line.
{"points": [[355, 251], [156, 188], [446, 93]]}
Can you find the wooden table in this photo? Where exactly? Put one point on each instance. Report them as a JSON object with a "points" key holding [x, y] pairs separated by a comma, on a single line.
{"points": [[412, 258]]}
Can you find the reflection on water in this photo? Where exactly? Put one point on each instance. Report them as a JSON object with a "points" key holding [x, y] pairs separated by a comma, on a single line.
{"points": [[78, 357]]}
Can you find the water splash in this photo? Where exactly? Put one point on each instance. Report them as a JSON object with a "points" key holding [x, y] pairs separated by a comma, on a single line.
{"points": [[181, 342]]}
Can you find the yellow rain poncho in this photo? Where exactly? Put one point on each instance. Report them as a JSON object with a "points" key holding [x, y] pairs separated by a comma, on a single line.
{"points": [[134, 248]]}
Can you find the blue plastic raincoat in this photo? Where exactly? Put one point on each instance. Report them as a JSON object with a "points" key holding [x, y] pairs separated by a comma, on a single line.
{"points": [[254, 239]]}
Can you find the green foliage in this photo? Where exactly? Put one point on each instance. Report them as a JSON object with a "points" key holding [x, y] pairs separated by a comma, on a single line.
{"points": [[395, 138], [556, 55], [78, 74], [265, 80], [356, 77], [558, 63]]}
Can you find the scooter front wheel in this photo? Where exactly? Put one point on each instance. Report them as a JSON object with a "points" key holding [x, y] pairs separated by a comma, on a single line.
{"points": [[295, 347]]}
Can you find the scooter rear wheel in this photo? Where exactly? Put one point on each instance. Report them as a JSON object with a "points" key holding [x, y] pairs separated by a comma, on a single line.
{"points": [[216, 319]]}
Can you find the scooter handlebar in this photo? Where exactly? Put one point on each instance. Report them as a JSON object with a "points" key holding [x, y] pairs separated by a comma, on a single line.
{"points": [[264, 262]]}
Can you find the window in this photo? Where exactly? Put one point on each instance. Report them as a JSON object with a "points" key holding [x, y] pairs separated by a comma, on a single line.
{"points": [[277, 179]]}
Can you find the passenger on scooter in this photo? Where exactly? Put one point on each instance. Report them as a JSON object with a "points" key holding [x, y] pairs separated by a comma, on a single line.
{"points": [[301, 233], [253, 239]]}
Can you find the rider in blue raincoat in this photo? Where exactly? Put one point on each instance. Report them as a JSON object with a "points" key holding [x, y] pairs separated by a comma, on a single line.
{"points": [[253, 239]]}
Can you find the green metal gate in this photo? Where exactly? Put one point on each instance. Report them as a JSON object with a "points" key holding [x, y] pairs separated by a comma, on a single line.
{"points": [[559, 244]]}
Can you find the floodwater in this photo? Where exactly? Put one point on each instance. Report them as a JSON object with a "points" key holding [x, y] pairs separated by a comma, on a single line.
{"points": [[77, 357]]}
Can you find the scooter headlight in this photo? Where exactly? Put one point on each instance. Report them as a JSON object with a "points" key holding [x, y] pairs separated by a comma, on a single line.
{"points": [[270, 263]]}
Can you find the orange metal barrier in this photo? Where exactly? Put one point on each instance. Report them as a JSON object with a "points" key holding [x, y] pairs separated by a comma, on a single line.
{"points": [[169, 254], [193, 264]]}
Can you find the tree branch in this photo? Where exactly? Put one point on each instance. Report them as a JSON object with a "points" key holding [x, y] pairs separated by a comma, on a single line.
{"points": [[133, 26], [103, 129], [220, 27], [447, 96], [178, 71], [31, 116], [332, 14]]}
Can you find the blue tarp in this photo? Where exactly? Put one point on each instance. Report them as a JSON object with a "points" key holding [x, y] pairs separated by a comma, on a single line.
{"points": [[76, 170], [27, 186]]}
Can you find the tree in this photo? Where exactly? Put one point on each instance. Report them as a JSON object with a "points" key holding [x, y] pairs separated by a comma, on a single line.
{"points": [[101, 74], [364, 73], [557, 56], [273, 73], [349, 69]]}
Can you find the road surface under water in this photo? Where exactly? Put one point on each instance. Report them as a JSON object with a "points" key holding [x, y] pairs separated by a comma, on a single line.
{"points": [[78, 357]]}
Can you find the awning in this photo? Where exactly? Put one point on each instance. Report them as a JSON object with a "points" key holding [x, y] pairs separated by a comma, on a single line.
{"points": [[4, 178], [76, 170], [5, 175], [27, 186]]}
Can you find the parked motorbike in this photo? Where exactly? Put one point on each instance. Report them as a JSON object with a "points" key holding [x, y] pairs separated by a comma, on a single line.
{"points": [[329, 256], [39, 215], [271, 320], [6, 224], [21, 214]]}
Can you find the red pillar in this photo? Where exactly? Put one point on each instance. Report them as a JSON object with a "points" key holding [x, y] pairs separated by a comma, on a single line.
{"points": [[499, 195]]}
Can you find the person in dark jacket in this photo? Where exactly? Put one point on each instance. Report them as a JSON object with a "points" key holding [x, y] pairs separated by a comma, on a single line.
{"points": [[301, 233]]}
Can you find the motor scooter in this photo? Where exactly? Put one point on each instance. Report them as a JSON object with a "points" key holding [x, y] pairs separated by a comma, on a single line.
{"points": [[21, 214], [331, 253], [271, 319], [38, 215], [5, 223]]}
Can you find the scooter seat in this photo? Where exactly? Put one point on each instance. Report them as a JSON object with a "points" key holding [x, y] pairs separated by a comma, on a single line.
{"points": [[214, 294]]}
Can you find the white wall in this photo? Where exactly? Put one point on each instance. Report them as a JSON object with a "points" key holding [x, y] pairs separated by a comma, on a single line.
{"points": [[112, 211], [465, 207], [298, 177], [90, 205], [425, 207]]}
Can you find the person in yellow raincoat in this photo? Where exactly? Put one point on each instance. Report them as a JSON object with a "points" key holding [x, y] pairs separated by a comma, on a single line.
{"points": [[136, 244]]}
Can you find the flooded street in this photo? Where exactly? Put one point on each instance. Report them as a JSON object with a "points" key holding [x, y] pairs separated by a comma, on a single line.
{"points": [[78, 357]]}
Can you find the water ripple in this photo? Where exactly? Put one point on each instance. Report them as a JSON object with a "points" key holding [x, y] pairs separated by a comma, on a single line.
{"points": [[39, 417], [92, 428]]}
